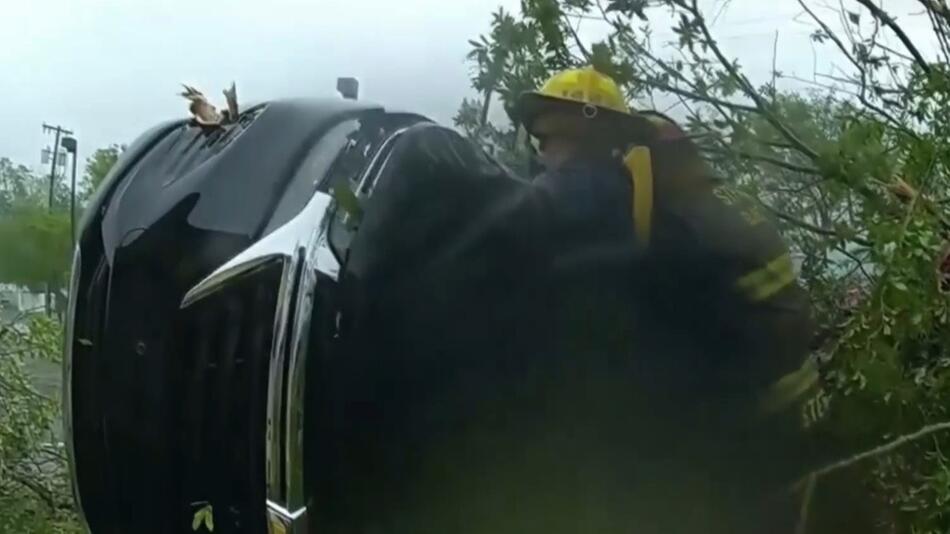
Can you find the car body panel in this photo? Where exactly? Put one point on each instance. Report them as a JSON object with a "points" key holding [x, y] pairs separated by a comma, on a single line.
{"points": [[171, 408]]}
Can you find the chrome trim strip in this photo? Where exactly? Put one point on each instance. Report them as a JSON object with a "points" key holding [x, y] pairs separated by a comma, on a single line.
{"points": [[379, 153], [382, 166], [274, 507], [317, 257], [67, 389], [282, 521], [326, 261], [276, 488], [301, 246], [225, 274], [281, 243], [294, 401]]}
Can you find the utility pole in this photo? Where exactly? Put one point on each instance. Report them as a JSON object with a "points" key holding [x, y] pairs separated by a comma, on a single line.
{"points": [[58, 130]]}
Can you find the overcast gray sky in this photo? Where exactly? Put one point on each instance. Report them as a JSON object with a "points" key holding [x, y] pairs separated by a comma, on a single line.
{"points": [[110, 69]]}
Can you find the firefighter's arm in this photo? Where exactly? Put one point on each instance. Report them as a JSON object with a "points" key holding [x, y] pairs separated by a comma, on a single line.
{"points": [[744, 283], [766, 314], [760, 303], [769, 319]]}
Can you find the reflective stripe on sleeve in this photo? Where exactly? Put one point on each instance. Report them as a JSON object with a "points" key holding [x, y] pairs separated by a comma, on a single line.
{"points": [[761, 284], [790, 388]]}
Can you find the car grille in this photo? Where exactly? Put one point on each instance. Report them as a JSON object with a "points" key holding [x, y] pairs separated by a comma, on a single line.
{"points": [[222, 413], [173, 402]]}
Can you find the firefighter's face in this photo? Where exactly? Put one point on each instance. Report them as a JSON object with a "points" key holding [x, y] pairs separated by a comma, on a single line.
{"points": [[559, 138], [554, 150]]}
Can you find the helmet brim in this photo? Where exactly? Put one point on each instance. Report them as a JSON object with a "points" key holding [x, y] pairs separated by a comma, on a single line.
{"points": [[532, 105]]}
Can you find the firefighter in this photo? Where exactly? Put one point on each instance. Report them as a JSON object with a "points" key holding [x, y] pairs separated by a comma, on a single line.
{"points": [[715, 269], [590, 352]]}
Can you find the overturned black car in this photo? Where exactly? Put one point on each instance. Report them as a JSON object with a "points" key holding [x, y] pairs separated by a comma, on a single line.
{"points": [[205, 298], [271, 320], [330, 317]]}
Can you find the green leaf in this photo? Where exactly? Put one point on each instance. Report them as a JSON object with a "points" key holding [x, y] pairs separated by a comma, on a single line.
{"points": [[582, 5], [348, 201], [203, 517], [628, 8], [601, 59]]}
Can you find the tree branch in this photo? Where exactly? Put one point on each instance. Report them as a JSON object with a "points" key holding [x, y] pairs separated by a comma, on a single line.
{"points": [[889, 21], [769, 160], [938, 22], [857, 261], [803, 511], [641, 51], [747, 87], [577, 39], [862, 95], [774, 69], [890, 446], [896, 53], [693, 93], [827, 87], [774, 144], [45, 494], [817, 229], [695, 96], [794, 190]]}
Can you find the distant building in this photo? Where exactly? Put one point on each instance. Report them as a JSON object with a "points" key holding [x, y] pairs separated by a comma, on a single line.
{"points": [[16, 300]]}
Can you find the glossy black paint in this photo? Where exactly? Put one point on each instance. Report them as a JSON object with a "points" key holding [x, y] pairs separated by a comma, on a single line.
{"points": [[168, 405]]}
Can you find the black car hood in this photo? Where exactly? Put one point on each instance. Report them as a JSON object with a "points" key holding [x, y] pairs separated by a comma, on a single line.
{"points": [[234, 191]]}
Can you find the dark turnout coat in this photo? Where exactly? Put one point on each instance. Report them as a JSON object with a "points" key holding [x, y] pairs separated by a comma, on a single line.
{"points": [[512, 359]]}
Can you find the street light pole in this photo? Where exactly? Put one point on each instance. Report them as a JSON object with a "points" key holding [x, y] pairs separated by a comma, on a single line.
{"points": [[71, 146]]}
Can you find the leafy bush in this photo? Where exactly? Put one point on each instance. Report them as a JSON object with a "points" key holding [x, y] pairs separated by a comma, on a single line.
{"points": [[854, 171], [35, 495]]}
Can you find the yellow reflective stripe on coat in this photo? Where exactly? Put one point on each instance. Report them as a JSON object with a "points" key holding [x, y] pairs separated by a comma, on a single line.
{"points": [[790, 389], [640, 165], [762, 283]]}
